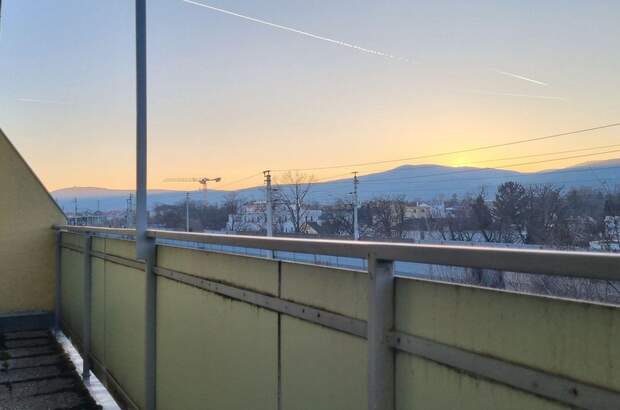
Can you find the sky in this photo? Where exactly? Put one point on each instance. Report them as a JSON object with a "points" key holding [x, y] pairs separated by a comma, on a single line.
{"points": [[243, 86]]}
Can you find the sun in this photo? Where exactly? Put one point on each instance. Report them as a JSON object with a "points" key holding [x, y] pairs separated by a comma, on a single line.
{"points": [[460, 161]]}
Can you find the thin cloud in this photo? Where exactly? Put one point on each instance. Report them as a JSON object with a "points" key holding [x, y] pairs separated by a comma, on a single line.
{"points": [[303, 33], [39, 101], [520, 77]]}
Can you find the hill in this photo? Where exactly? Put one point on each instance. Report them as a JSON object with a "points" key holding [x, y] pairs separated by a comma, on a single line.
{"points": [[415, 182]]}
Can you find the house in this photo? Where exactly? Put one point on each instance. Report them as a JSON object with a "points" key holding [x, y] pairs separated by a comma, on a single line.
{"points": [[252, 217]]}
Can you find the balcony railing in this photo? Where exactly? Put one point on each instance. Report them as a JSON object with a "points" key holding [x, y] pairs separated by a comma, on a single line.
{"points": [[204, 329]]}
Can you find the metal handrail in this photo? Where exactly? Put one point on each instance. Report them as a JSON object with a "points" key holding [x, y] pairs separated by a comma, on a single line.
{"points": [[592, 265]]}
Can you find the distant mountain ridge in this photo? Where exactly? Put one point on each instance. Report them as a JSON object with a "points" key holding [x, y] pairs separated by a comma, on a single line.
{"points": [[415, 182]]}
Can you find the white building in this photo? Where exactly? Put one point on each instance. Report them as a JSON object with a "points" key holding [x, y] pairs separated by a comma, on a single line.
{"points": [[252, 217], [423, 210]]}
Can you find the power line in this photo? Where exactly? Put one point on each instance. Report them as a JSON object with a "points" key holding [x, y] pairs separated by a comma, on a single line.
{"points": [[508, 178], [482, 169], [491, 160], [440, 154], [332, 176], [241, 180]]}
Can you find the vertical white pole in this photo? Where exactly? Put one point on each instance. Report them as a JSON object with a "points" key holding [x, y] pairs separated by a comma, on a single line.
{"points": [[356, 229], [141, 215], [187, 212], [380, 322], [269, 203], [145, 247]]}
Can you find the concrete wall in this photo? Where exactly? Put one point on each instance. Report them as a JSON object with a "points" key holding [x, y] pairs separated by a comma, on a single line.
{"points": [[214, 352], [27, 253]]}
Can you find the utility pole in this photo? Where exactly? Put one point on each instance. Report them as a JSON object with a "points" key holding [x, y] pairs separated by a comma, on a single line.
{"points": [[130, 211], [269, 203], [187, 212], [356, 228], [75, 208]]}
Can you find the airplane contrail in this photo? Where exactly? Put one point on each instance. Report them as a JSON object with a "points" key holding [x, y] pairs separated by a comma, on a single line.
{"points": [[303, 33], [337, 42], [39, 101], [520, 77]]}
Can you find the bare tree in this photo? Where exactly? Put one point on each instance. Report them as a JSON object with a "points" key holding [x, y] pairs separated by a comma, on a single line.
{"points": [[232, 206], [292, 191], [483, 218], [338, 218], [387, 216]]}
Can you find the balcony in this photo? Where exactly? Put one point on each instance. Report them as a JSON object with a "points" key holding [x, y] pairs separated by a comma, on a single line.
{"points": [[211, 328], [235, 332]]}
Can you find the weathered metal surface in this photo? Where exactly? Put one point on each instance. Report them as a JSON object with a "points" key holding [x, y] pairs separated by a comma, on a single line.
{"points": [[120, 247], [574, 339], [98, 296], [72, 300], [553, 339], [125, 311], [337, 290], [73, 239], [213, 352], [423, 384], [540, 383], [563, 263], [380, 322], [308, 313], [321, 368], [247, 272]]}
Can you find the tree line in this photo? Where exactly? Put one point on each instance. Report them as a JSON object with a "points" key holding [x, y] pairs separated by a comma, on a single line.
{"points": [[545, 214]]}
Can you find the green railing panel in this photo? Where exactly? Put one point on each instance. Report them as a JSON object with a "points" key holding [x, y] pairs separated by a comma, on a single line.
{"points": [[321, 368], [213, 352], [422, 384], [337, 290], [98, 309], [74, 239], [121, 247], [72, 305], [574, 339], [247, 272], [98, 244], [125, 291]]}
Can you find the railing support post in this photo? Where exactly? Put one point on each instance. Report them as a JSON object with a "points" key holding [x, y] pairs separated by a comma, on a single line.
{"points": [[86, 318], [380, 322], [58, 301], [151, 327]]}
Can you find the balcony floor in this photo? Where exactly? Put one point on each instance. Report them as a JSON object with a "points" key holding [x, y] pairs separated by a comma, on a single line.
{"points": [[36, 374]]}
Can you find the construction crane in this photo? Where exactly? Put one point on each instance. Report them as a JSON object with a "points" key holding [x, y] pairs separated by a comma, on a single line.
{"points": [[201, 180]]}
